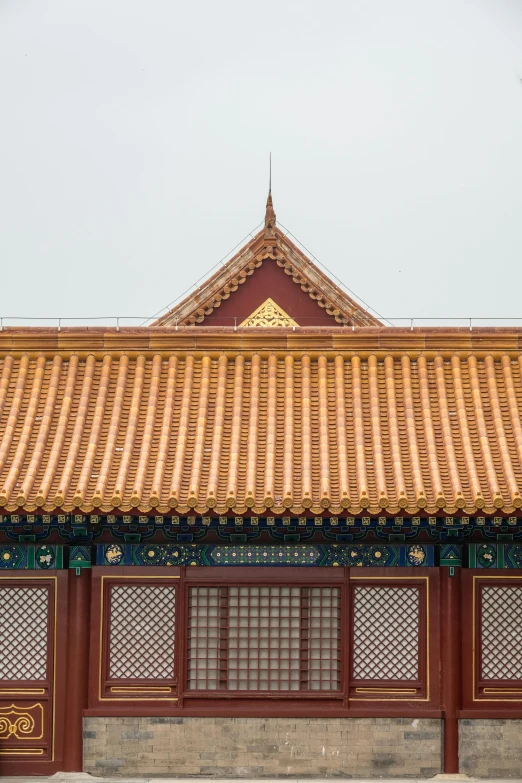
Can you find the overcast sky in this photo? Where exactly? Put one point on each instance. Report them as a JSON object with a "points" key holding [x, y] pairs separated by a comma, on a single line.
{"points": [[135, 137]]}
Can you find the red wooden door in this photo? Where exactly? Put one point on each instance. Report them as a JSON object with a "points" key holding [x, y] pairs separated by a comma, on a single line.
{"points": [[32, 640]]}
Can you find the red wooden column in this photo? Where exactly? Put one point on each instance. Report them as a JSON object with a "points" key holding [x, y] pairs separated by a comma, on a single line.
{"points": [[78, 622], [451, 664]]}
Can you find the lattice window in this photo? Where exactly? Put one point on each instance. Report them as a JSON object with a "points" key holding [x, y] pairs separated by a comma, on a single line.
{"points": [[264, 638], [501, 633], [386, 633], [142, 621], [24, 620]]}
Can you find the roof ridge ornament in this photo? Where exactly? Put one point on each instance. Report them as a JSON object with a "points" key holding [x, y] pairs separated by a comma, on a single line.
{"points": [[270, 215], [270, 220]]}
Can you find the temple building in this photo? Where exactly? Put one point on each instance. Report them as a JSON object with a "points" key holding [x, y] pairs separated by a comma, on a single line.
{"points": [[266, 535]]}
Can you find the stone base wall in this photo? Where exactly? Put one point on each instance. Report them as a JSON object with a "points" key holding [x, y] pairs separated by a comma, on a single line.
{"points": [[491, 748], [263, 747]]}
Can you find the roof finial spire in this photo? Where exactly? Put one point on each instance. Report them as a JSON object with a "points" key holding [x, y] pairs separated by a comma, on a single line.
{"points": [[270, 216]]}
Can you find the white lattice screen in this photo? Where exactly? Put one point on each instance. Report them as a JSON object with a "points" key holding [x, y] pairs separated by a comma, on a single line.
{"points": [[324, 621], [24, 616], [142, 621], [386, 633], [264, 638], [501, 633]]}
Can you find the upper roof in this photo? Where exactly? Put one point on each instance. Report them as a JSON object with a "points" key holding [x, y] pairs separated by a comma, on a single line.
{"points": [[269, 266], [261, 430], [294, 414]]}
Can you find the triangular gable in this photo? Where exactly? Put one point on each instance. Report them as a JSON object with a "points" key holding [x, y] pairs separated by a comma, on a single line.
{"points": [[270, 266]]}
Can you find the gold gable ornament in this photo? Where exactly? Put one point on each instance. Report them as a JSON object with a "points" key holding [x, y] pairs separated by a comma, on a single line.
{"points": [[269, 314]]}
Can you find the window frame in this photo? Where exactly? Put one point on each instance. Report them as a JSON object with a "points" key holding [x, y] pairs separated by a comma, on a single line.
{"points": [[244, 703], [105, 689], [364, 689], [480, 692], [266, 693]]}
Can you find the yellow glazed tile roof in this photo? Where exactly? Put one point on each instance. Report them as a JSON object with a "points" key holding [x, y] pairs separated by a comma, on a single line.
{"points": [[367, 420]]}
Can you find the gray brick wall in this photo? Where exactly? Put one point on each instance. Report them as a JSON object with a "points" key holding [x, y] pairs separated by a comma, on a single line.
{"points": [[491, 748], [263, 747]]}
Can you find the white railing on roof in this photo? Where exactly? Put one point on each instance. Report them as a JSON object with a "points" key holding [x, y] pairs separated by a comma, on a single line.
{"points": [[133, 321]]}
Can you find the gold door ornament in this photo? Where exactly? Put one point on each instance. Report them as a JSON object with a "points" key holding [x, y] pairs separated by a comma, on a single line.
{"points": [[19, 723]]}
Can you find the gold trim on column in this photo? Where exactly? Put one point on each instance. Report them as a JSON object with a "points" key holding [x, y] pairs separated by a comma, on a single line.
{"points": [[22, 752]]}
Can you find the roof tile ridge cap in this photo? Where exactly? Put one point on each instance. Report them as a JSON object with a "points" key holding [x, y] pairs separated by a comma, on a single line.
{"points": [[200, 432], [5, 380], [329, 303], [14, 410], [340, 424], [289, 432], [165, 431], [182, 432], [253, 429], [324, 427], [217, 432], [247, 248], [60, 432], [429, 432], [393, 431], [376, 430], [467, 445], [207, 301], [35, 460], [271, 438], [411, 433], [482, 431], [306, 433], [17, 460], [235, 434], [151, 408], [324, 281], [500, 431], [77, 433], [514, 413], [130, 432], [95, 431], [120, 387], [459, 499], [363, 498]]}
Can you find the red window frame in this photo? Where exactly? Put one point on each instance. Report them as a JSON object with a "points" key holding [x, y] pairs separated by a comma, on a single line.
{"points": [[382, 689], [105, 688], [184, 700], [225, 637], [481, 692]]}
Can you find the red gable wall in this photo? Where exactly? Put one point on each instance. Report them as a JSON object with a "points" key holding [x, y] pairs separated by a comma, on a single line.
{"points": [[269, 281]]}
